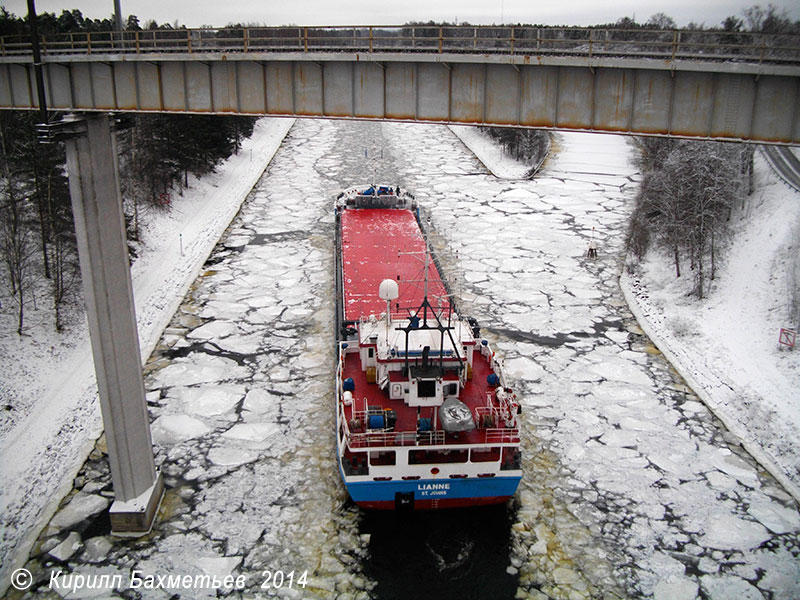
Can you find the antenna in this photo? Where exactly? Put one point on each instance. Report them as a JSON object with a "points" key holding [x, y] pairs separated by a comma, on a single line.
{"points": [[376, 156]]}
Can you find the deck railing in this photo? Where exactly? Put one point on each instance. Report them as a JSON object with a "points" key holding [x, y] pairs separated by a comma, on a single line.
{"points": [[497, 435], [391, 439], [513, 40], [400, 312], [493, 414], [379, 439]]}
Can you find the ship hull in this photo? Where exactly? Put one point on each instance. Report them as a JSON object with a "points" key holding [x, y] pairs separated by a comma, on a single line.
{"points": [[394, 450], [435, 504], [422, 494]]}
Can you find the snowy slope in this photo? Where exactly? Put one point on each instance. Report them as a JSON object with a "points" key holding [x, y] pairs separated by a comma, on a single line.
{"points": [[726, 345], [40, 455], [490, 153]]}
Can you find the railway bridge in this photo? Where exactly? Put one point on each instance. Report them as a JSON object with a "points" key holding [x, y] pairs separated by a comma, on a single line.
{"points": [[708, 85], [681, 83]]}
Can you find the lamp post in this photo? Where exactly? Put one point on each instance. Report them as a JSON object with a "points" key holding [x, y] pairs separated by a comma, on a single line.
{"points": [[117, 16], [37, 60]]}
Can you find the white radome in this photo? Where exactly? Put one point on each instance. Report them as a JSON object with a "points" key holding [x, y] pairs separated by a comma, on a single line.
{"points": [[388, 290]]}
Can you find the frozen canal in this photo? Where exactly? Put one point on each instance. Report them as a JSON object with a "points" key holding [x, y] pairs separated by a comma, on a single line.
{"points": [[631, 488]]}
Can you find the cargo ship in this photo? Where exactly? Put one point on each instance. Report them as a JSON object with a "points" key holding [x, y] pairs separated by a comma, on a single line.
{"points": [[425, 417]]}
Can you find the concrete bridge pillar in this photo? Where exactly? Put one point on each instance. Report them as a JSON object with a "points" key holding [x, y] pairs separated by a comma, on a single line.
{"points": [[103, 251]]}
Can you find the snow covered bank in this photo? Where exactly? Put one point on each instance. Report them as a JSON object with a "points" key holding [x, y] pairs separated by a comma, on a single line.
{"points": [[491, 154], [726, 345], [58, 416]]}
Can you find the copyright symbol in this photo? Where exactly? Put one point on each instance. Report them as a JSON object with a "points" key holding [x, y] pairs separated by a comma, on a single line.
{"points": [[21, 579]]}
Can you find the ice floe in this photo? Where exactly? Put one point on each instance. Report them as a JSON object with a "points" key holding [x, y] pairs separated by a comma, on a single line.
{"points": [[80, 507], [170, 429], [726, 531]]}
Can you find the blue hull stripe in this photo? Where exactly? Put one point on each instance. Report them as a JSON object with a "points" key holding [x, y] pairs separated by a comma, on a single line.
{"points": [[429, 489]]}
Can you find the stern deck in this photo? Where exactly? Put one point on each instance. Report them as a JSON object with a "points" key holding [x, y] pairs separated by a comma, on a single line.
{"points": [[367, 395]]}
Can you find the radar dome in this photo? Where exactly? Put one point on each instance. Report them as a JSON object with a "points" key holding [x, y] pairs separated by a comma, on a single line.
{"points": [[388, 290]]}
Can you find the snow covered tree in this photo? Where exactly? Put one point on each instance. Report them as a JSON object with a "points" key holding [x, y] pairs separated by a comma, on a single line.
{"points": [[527, 145], [36, 205], [685, 201], [17, 249]]}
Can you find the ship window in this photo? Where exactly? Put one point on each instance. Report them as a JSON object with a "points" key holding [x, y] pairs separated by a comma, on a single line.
{"points": [[371, 353], [382, 458], [485, 454], [431, 457], [426, 388], [512, 459]]}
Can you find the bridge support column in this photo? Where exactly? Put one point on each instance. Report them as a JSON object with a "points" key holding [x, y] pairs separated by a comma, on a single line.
{"points": [[103, 251]]}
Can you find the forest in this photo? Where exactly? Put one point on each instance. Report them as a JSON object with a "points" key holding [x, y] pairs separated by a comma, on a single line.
{"points": [[37, 240]]}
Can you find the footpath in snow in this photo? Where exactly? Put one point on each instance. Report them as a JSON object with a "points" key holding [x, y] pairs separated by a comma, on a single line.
{"points": [[726, 346], [58, 417]]}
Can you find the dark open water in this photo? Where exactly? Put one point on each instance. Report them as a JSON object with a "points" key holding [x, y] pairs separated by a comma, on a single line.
{"points": [[460, 554]]}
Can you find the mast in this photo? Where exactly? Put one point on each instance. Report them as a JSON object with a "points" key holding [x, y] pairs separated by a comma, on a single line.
{"points": [[441, 327], [425, 292]]}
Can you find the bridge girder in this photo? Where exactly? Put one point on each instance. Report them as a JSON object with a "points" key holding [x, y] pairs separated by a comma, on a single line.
{"points": [[720, 100]]}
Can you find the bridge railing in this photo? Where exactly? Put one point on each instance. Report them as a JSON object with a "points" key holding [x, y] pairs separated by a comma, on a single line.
{"points": [[537, 41]]}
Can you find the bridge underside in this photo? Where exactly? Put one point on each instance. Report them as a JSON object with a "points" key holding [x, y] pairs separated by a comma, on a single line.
{"points": [[615, 96]]}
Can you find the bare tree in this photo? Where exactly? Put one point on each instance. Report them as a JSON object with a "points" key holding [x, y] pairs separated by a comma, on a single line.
{"points": [[16, 245], [17, 248], [661, 21], [685, 200], [66, 275], [767, 20], [793, 281], [63, 243]]}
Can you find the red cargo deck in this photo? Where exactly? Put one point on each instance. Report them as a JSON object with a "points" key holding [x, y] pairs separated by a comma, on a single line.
{"points": [[372, 240]]}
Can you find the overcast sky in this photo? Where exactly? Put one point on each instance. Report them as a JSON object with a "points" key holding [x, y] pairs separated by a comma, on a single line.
{"points": [[194, 13]]}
